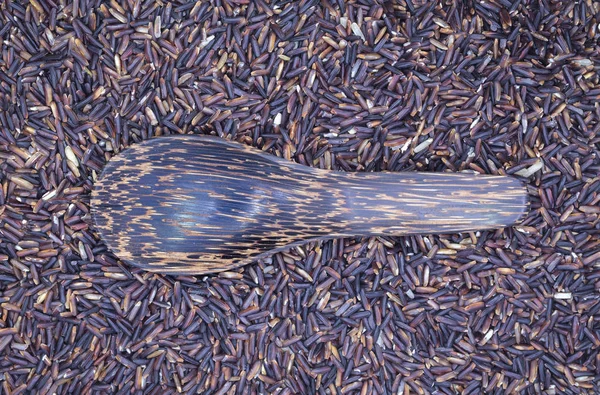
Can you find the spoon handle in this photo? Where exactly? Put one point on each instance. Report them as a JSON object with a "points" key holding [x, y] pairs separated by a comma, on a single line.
{"points": [[424, 203], [200, 204]]}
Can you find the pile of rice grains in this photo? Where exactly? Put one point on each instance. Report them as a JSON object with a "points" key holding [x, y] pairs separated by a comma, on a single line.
{"points": [[492, 86]]}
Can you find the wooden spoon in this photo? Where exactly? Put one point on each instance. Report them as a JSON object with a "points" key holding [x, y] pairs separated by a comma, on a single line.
{"points": [[200, 204]]}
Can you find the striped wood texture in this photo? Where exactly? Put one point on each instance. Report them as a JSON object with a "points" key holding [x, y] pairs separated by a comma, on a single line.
{"points": [[200, 204]]}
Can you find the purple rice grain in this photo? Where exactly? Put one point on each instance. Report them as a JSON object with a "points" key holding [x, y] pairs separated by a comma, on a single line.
{"points": [[495, 87]]}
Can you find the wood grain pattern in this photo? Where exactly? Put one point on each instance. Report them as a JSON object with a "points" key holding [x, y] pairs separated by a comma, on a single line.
{"points": [[200, 204]]}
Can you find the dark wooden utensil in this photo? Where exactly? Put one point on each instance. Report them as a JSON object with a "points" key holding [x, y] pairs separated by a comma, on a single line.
{"points": [[200, 204]]}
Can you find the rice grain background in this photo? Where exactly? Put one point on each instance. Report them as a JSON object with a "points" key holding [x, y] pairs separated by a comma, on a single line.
{"points": [[494, 86]]}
